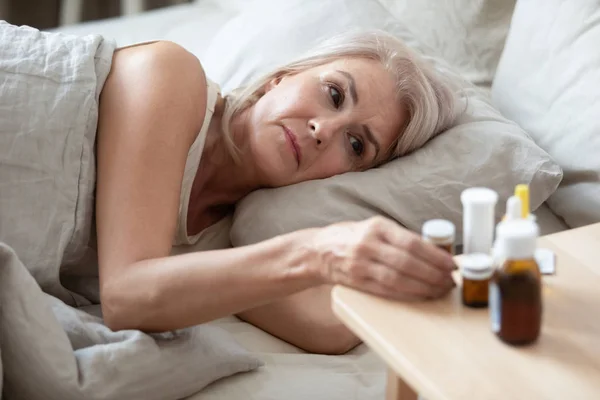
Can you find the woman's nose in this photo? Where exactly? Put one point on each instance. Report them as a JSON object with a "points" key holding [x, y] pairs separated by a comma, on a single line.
{"points": [[322, 131]]}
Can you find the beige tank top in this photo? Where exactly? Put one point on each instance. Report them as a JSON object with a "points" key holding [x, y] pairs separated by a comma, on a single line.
{"points": [[191, 167]]}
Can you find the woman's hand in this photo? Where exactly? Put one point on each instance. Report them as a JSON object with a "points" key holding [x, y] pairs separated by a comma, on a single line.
{"points": [[380, 257]]}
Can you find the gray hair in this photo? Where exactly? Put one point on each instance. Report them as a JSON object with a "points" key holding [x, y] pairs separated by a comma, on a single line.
{"points": [[431, 100]]}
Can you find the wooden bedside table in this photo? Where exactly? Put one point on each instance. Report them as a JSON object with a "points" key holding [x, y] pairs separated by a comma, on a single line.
{"points": [[443, 350]]}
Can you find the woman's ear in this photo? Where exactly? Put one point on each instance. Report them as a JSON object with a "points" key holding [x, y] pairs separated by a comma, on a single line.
{"points": [[273, 82]]}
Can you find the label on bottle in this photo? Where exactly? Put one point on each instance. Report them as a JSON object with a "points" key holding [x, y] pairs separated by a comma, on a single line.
{"points": [[546, 260], [495, 307]]}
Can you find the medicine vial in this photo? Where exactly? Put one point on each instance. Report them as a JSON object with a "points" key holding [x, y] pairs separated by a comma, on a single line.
{"points": [[441, 233], [476, 270], [478, 219], [515, 291]]}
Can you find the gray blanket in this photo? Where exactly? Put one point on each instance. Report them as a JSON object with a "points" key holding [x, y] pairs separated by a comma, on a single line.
{"points": [[51, 347]]}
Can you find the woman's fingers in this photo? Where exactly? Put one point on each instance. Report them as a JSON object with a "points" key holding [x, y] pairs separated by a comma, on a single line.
{"points": [[413, 244], [378, 256], [382, 280], [410, 265]]}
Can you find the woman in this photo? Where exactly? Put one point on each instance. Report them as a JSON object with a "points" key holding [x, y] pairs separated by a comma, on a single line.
{"points": [[173, 157]]}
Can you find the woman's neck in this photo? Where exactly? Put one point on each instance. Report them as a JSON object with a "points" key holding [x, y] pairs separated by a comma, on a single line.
{"points": [[220, 180]]}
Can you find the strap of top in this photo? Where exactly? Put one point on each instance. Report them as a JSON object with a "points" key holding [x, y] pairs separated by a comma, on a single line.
{"points": [[191, 168]]}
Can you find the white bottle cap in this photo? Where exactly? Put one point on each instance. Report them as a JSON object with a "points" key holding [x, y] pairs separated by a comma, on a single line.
{"points": [[478, 219], [438, 229], [513, 208], [476, 266], [518, 239]]}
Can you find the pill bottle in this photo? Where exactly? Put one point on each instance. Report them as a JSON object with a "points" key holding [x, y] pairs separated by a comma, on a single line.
{"points": [[515, 291], [441, 233], [478, 219], [476, 270]]}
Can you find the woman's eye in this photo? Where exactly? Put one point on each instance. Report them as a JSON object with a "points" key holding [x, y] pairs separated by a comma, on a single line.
{"points": [[336, 96], [357, 146]]}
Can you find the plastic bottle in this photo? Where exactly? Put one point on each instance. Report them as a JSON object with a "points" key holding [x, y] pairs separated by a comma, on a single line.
{"points": [[478, 219]]}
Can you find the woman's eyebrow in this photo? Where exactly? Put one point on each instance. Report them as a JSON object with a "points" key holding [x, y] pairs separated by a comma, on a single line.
{"points": [[351, 85]]}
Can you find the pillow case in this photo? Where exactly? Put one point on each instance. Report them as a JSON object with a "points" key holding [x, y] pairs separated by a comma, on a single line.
{"points": [[547, 82], [469, 34], [482, 149]]}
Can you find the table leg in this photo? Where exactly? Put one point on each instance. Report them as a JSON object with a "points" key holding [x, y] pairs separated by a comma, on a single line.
{"points": [[397, 389]]}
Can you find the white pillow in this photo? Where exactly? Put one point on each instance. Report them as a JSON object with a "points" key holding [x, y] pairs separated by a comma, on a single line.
{"points": [[548, 81], [469, 34], [191, 25], [483, 149]]}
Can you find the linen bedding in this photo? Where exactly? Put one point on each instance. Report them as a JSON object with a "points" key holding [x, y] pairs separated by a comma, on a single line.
{"points": [[50, 347], [471, 42]]}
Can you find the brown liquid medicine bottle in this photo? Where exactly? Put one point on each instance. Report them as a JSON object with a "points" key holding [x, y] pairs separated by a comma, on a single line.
{"points": [[515, 291]]}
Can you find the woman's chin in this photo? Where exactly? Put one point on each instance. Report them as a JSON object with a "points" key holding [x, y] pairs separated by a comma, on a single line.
{"points": [[278, 174]]}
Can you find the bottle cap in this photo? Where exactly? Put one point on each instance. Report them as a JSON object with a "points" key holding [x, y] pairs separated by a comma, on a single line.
{"points": [[438, 229], [513, 208], [478, 219], [518, 239], [476, 266], [522, 192]]}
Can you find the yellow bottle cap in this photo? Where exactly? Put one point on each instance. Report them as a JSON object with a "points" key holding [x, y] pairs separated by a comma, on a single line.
{"points": [[522, 193]]}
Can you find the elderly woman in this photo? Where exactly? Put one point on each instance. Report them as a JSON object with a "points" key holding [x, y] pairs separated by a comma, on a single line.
{"points": [[173, 157]]}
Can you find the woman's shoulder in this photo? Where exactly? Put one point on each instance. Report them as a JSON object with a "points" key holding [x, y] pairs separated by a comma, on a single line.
{"points": [[159, 75], [159, 52]]}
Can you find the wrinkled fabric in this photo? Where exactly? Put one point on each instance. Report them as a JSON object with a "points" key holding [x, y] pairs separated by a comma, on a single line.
{"points": [[51, 349]]}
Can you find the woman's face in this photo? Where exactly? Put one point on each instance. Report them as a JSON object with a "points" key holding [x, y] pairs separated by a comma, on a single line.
{"points": [[328, 120]]}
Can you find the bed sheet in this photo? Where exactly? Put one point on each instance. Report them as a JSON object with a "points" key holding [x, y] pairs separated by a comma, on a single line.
{"points": [[291, 374]]}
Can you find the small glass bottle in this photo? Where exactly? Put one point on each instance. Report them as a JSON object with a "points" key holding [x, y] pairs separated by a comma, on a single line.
{"points": [[441, 233], [515, 293], [476, 270]]}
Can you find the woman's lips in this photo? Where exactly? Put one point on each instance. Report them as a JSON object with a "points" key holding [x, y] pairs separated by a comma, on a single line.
{"points": [[294, 143]]}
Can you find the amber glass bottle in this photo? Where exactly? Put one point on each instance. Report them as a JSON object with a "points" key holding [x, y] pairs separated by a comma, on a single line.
{"points": [[476, 270], [515, 292]]}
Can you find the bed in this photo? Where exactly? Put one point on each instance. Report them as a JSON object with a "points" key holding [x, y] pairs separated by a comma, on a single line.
{"points": [[288, 373]]}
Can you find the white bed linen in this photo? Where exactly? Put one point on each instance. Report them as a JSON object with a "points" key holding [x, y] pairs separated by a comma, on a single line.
{"points": [[288, 373]]}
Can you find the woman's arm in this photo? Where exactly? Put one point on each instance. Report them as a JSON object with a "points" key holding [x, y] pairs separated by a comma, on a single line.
{"points": [[150, 112], [174, 292], [305, 320]]}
